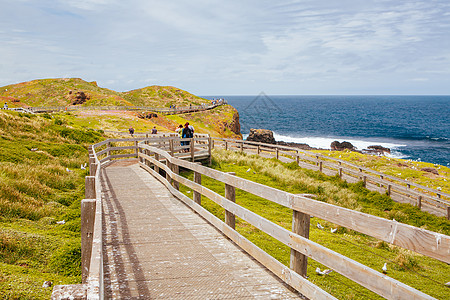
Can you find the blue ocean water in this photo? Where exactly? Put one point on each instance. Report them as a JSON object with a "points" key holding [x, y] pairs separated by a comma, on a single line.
{"points": [[414, 127]]}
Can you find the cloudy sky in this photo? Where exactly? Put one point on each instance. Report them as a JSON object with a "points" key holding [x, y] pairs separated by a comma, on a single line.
{"points": [[232, 47]]}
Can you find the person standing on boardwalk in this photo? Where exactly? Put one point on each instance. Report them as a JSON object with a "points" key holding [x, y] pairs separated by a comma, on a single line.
{"points": [[131, 130], [187, 133], [154, 130]]}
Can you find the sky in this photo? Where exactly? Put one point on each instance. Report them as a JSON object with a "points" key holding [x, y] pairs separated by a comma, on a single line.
{"points": [[245, 47]]}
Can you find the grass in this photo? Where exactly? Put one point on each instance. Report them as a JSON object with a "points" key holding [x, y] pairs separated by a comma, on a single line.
{"points": [[403, 265], [404, 169], [36, 191]]}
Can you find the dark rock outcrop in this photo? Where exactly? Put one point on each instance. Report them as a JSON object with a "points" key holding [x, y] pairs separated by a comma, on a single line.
{"points": [[261, 136], [296, 145], [430, 170], [377, 150], [234, 126], [78, 98], [336, 145]]}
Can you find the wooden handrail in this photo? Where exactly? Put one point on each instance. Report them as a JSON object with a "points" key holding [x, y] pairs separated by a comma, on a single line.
{"points": [[164, 110], [394, 232], [394, 185]]}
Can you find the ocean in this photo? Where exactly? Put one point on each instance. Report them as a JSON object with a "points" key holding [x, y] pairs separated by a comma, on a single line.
{"points": [[413, 127]]}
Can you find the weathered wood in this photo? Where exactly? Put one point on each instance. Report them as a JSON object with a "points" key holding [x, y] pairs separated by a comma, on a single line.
{"points": [[89, 191], [230, 194], [176, 170], [300, 226], [157, 159], [192, 150], [409, 237], [419, 202], [92, 169], [320, 166], [371, 279], [87, 230], [296, 281], [197, 196], [340, 172]]}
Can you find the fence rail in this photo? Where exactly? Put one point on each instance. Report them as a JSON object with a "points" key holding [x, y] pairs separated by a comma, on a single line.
{"points": [[168, 154], [399, 190], [419, 240], [163, 110]]}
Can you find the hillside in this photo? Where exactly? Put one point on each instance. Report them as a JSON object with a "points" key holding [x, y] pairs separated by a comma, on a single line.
{"points": [[41, 183], [222, 121], [67, 91]]}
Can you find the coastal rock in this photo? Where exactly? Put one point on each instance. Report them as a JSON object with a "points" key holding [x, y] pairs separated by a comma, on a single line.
{"points": [[261, 136], [377, 150], [430, 170], [296, 145], [336, 145], [234, 126]]}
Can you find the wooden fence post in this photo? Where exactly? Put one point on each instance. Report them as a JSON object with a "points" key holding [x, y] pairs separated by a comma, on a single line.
{"points": [[197, 195], [230, 194], [242, 147], [277, 153], [192, 150], [108, 152], [87, 230], [340, 173], [226, 145], [448, 212], [419, 202], [92, 169], [320, 166], [176, 170], [137, 149], [169, 166], [389, 189], [210, 147], [297, 157], [258, 149], [300, 226], [157, 159], [89, 190], [171, 147], [365, 181]]}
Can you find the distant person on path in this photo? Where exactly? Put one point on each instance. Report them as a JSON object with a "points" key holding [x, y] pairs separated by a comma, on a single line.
{"points": [[154, 130], [179, 131], [187, 133], [192, 129], [5, 106], [131, 130]]}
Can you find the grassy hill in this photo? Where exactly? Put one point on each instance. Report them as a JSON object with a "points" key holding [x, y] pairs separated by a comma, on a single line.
{"points": [[41, 183], [222, 121], [63, 91]]}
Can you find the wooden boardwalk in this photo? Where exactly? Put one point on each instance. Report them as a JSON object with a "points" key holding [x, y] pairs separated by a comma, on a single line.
{"points": [[155, 247]]}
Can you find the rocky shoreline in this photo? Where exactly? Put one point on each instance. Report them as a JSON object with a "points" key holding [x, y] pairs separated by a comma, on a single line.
{"points": [[266, 136]]}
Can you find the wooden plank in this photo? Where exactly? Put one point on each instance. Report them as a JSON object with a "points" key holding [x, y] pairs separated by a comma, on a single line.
{"points": [[290, 277], [373, 280], [409, 237]]}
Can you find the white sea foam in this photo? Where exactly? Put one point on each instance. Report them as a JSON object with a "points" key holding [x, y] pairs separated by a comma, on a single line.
{"points": [[325, 142]]}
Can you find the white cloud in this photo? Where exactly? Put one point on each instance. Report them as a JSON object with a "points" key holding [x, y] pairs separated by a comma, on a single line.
{"points": [[228, 46]]}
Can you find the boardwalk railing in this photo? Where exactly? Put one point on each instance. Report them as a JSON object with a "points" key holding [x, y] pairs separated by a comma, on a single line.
{"points": [[399, 190], [422, 241], [162, 110]]}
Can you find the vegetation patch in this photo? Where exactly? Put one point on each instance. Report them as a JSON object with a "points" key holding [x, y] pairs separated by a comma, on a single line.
{"points": [[41, 183], [425, 274]]}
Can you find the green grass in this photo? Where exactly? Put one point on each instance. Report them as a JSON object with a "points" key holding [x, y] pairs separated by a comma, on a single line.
{"points": [[36, 191], [403, 265]]}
